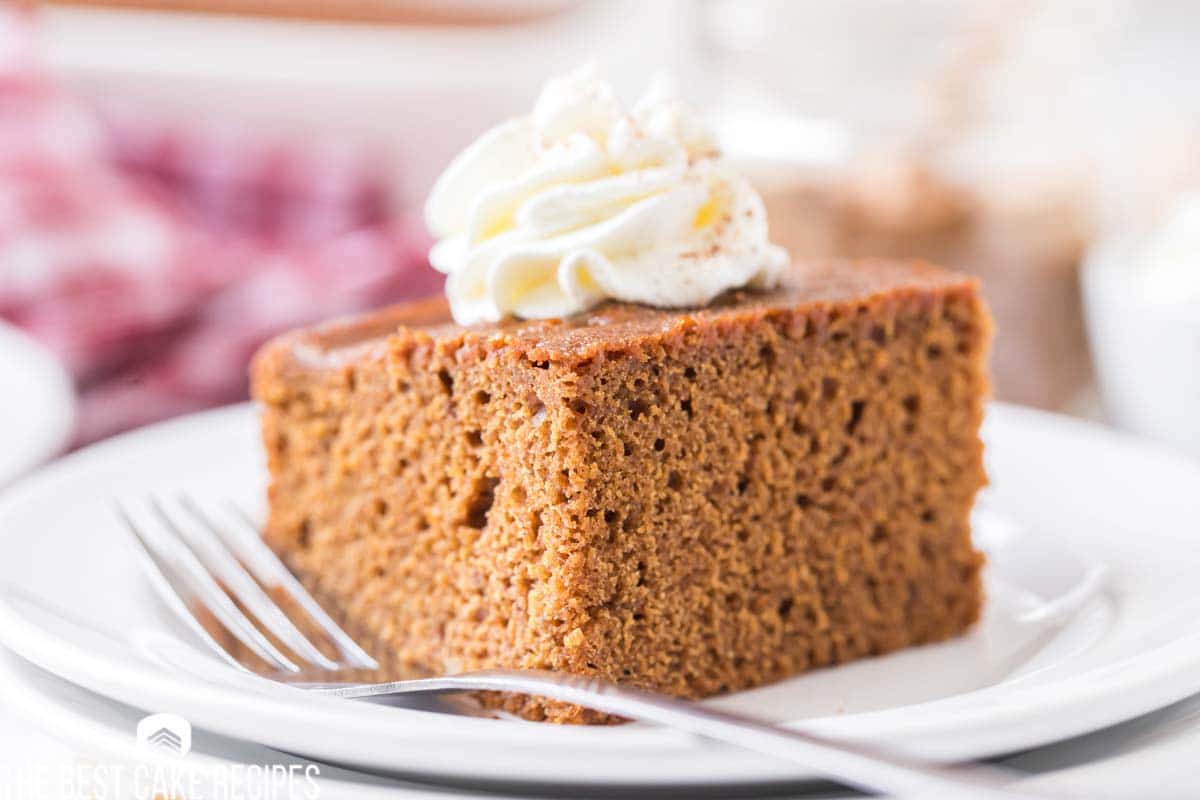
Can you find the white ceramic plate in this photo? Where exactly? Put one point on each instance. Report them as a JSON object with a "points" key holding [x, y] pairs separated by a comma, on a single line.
{"points": [[1066, 495], [37, 404]]}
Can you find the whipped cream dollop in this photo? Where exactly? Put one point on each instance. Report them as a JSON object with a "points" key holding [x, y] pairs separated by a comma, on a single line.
{"points": [[581, 201]]}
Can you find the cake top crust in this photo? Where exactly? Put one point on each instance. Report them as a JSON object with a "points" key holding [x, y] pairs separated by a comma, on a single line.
{"points": [[812, 287]]}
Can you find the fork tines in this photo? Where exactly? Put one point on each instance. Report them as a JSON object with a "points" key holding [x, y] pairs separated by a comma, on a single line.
{"points": [[209, 565]]}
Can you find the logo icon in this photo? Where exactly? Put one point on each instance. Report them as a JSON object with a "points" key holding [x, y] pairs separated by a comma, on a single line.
{"points": [[168, 733]]}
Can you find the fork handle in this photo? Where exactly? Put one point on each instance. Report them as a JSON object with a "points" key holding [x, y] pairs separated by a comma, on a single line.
{"points": [[863, 768]]}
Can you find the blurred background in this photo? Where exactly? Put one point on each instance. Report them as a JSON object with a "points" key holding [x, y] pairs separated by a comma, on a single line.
{"points": [[181, 180]]}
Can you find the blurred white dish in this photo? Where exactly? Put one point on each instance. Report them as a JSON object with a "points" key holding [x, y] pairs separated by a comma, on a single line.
{"points": [[1145, 341], [418, 92], [37, 404], [1066, 494]]}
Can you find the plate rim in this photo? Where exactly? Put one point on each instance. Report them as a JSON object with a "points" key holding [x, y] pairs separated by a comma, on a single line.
{"points": [[97, 735]]}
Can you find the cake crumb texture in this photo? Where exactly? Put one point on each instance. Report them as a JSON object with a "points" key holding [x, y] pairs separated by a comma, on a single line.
{"points": [[695, 502]]}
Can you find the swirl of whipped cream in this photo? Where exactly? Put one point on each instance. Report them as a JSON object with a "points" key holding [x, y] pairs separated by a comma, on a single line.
{"points": [[548, 215]]}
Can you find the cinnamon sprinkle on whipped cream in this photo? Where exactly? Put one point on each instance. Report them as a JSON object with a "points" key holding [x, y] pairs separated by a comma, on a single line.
{"points": [[581, 201]]}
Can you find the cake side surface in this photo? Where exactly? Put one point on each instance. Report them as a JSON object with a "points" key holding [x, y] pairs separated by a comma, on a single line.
{"points": [[413, 484], [785, 491], [693, 501]]}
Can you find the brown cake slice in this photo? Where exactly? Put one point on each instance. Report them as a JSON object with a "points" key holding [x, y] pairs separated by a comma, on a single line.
{"points": [[694, 501]]}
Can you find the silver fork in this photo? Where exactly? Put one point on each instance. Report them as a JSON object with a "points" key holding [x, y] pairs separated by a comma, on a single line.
{"points": [[197, 557]]}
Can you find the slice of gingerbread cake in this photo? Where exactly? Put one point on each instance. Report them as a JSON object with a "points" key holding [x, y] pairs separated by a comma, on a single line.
{"points": [[633, 442]]}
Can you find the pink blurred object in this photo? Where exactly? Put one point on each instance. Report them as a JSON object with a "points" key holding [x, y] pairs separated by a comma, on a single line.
{"points": [[205, 365], [236, 181], [154, 258]]}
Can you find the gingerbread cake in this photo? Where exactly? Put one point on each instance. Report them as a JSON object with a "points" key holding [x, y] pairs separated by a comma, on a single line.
{"points": [[634, 441], [695, 501]]}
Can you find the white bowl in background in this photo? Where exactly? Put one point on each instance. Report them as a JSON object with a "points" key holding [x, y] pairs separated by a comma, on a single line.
{"points": [[1146, 346]]}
